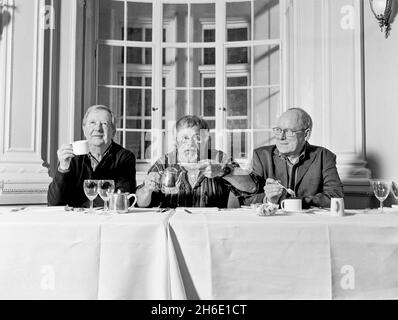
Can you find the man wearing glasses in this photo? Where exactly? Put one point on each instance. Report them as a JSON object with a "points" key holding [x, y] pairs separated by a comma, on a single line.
{"points": [[310, 171], [105, 160]]}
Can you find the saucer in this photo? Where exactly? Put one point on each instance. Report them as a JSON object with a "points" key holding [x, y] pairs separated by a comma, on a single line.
{"points": [[297, 211]]}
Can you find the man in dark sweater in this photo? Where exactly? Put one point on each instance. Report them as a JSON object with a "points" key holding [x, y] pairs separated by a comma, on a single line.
{"points": [[105, 160], [310, 171]]}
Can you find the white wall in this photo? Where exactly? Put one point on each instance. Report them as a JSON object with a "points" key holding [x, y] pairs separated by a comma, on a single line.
{"points": [[381, 93]]}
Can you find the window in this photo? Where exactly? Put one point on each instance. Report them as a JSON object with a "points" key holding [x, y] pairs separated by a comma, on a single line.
{"points": [[177, 63]]}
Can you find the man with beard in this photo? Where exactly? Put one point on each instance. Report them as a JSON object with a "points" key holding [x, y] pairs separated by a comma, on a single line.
{"points": [[206, 177]]}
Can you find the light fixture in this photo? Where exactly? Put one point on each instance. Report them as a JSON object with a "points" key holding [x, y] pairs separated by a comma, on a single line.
{"points": [[382, 10]]}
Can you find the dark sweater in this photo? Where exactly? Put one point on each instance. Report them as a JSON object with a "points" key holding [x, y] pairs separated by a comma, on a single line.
{"points": [[67, 188]]}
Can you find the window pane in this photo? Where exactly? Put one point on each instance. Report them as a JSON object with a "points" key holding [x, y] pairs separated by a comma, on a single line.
{"points": [[200, 14], [209, 54], [134, 98], [266, 65], [110, 67], [237, 81], [238, 102], [176, 13], [238, 12], [176, 60], [237, 34], [133, 124], [196, 67], [266, 22], [209, 98], [113, 98], [134, 143], [238, 55], [148, 97], [175, 105], [237, 140], [110, 13], [139, 13], [266, 107]]}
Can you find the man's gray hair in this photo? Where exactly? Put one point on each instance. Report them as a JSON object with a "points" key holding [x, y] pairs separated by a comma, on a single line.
{"points": [[191, 122], [100, 107], [305, 117]]}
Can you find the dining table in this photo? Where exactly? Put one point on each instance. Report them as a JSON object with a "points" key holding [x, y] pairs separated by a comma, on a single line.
{"points": [[197, 253]]}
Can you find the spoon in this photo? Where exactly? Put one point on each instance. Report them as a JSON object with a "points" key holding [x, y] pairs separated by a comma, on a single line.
{"points": [[288, 190]]}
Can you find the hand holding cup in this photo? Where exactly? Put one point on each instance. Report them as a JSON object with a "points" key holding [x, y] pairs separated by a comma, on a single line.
{"points": [[65, 155]]}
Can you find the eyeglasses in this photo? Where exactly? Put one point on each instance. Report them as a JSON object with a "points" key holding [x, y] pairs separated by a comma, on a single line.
{"points": [[187, 139], [103, 124], [278, 132]]}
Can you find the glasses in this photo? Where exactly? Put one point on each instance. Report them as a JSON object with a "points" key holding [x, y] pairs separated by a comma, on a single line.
{"points": [[187, 139], [104, 124], [278, 132]]}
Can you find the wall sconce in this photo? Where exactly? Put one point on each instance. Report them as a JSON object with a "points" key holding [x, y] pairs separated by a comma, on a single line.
{"points": [[382, 9]]}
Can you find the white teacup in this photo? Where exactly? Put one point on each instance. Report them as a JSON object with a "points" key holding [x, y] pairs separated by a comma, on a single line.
{"points": [[291, 205], [80, 147], [337, 206]]}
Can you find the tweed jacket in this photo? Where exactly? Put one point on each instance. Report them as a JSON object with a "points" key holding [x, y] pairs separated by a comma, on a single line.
{"points": [[317, 179]]}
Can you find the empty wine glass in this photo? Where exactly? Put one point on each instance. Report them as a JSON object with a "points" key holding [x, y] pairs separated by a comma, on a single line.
{"points": [[91, 190], [394, 188], [381, 189], [106, 188]]}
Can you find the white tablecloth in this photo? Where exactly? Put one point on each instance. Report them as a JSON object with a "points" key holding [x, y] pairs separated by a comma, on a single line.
{"points": [[238, 255], [47, 253]]}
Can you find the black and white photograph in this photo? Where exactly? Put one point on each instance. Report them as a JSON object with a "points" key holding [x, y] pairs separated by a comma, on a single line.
{"points": [[215, 152]]}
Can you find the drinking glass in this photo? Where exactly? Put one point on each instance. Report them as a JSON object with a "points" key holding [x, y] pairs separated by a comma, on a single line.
{"points": [[91, 190], [394, 188], [381, 190], [106, 188]]}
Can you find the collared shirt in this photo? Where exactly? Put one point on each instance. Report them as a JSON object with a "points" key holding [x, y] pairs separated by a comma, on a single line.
{"points": [[94, 161], [206, 192], [292, 167]]}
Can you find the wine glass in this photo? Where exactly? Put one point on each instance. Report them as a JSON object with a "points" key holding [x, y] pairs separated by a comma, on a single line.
{"points": [[91, 190], [394, 188], [106, 189], [381, 189]]}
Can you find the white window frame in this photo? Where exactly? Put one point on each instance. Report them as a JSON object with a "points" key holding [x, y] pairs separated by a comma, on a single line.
{"points": [[221, 70]]}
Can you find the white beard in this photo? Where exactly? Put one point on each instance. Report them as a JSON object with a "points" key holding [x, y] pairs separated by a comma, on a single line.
{"points": [[188, 157]]}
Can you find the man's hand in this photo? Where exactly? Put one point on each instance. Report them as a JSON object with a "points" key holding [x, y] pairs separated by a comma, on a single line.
{"points": [[152, 181], [65, 155], [273, 190], [211, 169]]}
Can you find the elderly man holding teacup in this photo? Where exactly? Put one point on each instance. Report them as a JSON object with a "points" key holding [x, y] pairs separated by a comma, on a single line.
{"points": [[97, 158], [202, 177], [293, 168]]}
